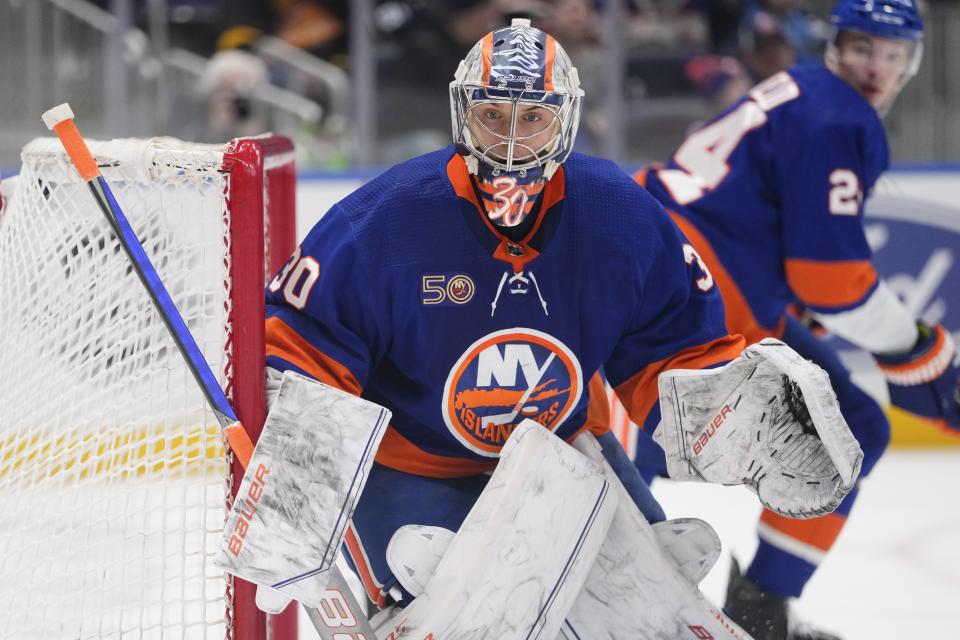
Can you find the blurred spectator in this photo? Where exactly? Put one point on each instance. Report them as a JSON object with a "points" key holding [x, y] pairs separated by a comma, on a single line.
{"points": [[572, 22], [723, 79], [720, 79], [768, 19], [236, 73], [765, 55], [316, 26], [723, 23]]}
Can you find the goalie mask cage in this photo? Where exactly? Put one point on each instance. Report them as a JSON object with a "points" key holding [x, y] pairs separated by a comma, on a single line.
{"points": [[114, 479]]}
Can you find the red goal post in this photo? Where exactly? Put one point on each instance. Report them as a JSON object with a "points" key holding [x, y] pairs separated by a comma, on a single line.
{"points": [[113, 475]]}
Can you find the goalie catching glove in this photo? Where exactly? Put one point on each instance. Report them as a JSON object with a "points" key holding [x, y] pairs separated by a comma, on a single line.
{"points": [[924, 381], [769, 420]]}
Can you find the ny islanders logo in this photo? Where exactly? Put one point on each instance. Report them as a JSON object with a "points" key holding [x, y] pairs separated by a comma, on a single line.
{"points": [[507, 376]]}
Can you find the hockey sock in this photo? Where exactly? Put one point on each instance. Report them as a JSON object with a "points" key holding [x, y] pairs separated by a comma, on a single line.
{"points": [[790, 550]]}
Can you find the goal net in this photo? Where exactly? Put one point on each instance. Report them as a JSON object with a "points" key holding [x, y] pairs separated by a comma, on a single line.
{"points": [[114, 479]]}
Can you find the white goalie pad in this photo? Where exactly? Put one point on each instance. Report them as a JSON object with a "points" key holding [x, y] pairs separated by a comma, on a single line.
{"points": [[639, 589], [521, 556], [770, 420], [692, 543], [301, 487]]}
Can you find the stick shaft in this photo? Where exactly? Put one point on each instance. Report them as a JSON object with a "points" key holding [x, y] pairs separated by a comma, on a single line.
{"points": [[236, 435]]}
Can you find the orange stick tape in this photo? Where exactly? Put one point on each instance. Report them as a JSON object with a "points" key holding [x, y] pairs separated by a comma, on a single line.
{"points": [[77, 149], [240, 442]]}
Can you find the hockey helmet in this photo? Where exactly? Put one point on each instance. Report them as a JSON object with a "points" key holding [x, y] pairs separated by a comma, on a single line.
{"points": [[887, 19], [515, 101]]}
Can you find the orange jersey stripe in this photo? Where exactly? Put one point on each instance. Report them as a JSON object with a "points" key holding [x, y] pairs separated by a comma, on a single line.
{"points": [[459, 178], [285, 343], [830, 284], [640, 392], [362, 563], [640, 176], [400, 454], [598, 411], [819, 533], [740, 318]]}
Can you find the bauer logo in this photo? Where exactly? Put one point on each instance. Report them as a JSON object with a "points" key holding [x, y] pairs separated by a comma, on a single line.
{"points": [[505, 377], [246, 509]]}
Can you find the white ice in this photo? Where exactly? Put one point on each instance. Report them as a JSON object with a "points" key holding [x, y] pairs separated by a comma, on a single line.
{"points": [[894, 572]]}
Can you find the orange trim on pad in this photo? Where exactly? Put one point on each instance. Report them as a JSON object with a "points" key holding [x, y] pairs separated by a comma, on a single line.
{"points": [[830, 284], [285, 343]]}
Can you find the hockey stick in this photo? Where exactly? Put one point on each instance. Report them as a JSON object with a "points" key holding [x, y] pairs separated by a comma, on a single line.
{"points": [[331, 621]]}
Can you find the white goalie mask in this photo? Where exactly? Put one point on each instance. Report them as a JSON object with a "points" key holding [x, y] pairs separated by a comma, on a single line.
{"points": [[515, 102]]}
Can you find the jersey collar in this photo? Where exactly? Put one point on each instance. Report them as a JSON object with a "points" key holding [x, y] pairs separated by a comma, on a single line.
{"points": [[516, 254]]}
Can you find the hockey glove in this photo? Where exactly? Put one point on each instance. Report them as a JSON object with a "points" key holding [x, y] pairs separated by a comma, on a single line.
{"points": [[769, 420], [925, 380]]}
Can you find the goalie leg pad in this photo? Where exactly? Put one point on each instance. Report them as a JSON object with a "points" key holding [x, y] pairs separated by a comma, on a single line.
{"points": [[768, 419], [301, 487], [637, 589], [391, 502], [521, 556]]}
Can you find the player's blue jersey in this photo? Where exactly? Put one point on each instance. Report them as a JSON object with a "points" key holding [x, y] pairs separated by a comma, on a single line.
{"points": [[771, 193], [406, 294]]}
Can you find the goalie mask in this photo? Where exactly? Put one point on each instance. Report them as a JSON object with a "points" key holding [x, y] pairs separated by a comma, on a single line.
{"points": [[876, 46], [515, 107]]}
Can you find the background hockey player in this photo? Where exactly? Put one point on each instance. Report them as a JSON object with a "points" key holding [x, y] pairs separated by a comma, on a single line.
{"points": [[771, 194], [486, 283]]}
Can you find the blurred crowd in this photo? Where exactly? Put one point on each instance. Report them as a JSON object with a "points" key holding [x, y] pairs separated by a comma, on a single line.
{"points": [[701, 54]]}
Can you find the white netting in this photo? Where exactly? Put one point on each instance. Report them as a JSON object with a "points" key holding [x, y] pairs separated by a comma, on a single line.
{"points": [[112, 472]]}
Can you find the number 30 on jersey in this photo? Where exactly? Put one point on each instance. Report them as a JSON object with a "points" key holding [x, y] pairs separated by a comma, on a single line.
{"points": [[297, 279]]}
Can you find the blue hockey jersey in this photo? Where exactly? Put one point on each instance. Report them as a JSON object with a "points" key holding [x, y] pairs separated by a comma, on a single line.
{"points": [[771, 193], [406, 294]]}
